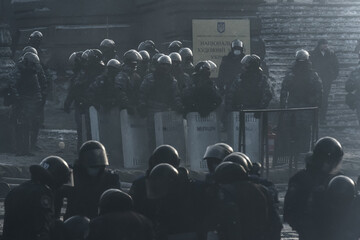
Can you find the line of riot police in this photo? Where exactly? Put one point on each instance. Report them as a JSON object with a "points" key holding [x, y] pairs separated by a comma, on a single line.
{"points": [[146, 81], [166, 203]]}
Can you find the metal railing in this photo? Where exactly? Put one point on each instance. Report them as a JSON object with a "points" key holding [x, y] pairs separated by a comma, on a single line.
{"points": [[264, 138]]}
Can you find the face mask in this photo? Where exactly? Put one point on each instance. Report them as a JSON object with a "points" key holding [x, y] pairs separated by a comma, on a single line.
{"points": [[237, 52]]}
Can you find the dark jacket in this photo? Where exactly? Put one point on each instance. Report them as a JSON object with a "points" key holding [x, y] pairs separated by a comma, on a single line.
{"points": [[230, 68], [29, 210], [159, 92], [327, 65], [251, 90], [302, 89], [83, 198], [120, 225], [201, 97]]}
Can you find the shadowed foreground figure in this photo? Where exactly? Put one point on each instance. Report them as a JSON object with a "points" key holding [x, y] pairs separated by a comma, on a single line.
{"points": [[29, 208], [305, 198], [91, 179], [117, 220]]}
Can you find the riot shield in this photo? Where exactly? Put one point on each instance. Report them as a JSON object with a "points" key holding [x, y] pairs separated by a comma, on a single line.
{"points": [[94, 123], [201, 132], [134, 140], [110, 134], [169, 129]]}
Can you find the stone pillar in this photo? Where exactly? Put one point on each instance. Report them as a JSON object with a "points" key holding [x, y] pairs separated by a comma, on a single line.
{"points": [[6, 66]]}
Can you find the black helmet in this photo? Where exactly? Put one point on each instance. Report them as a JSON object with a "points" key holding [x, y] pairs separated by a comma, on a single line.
{"points": [[162, 180], [164, 154], [218, 151], [327, 151], [175, 57], [132, 57], [107, 44], [35, 38], [75, 58], [250, 164], [29, 49], [213, 65], [115, 200], [203, 67], [235, 157], [302, 55], [95, 57], [145, 55], [175, 46], [114, 64], [141, 46], [149, 45], [186, 54], [237, 44], [29, 61], [256, 167], [31, 58], [92, 154], [156, 57], [251, 62], [85, 55], [341, 189], [164, 60], [77, 227], [58, 169], [229, 172]]}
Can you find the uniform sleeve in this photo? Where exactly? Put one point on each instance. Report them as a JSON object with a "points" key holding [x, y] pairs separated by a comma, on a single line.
{"points": [[232, 96], [222, 74], [178, 106], [42, 80], [318, 90], [267, 92], [121, 82], [284, 92]]}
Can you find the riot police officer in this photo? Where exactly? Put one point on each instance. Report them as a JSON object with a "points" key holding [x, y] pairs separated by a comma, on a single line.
{"points": [[128, 82], [26, 104], [159, 91], [176, 210], [187, 60], [175, 46], [241, 209], [352, 86], [102, 92], [231, 66], [182, 78], [35, 40], [203, 97], [91, 179], [301, 87], [162, 154], [43, 86], [117, 220], [108, 49], [29, 208], [144, 65], [92, 67], [306, 189], [149, 46], [215, 154], [251, 89], [325, 63]]}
